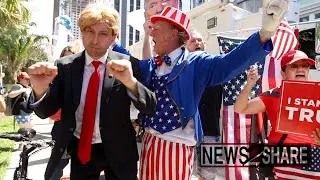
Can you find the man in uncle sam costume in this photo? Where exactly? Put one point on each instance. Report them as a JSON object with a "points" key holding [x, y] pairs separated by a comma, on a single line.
{"points": [[179, 78]]}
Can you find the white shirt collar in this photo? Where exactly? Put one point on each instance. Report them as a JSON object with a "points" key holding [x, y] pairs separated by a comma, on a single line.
{"points": [[89, 59], [174, 55]]}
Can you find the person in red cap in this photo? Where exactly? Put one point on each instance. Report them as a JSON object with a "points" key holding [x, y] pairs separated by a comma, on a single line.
{"points": [[295, 65], [179, 78]]}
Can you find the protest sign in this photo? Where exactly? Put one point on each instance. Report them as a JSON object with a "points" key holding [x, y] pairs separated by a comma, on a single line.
{"points": [[299, 108]]}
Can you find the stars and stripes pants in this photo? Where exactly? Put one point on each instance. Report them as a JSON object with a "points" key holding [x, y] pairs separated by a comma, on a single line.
{"points": [[164, 160]]}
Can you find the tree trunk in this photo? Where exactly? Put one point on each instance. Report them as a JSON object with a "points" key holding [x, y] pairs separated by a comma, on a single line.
{"points": [[11, 74]]}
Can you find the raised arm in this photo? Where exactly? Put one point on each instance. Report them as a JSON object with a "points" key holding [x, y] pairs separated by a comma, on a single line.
{"points": [[273, 12], [146, 47], [254, 49], [213, 70], [242, 104]]}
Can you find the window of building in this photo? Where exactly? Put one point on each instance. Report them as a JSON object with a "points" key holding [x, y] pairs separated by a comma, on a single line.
{"points": [[249, 5], [317, 16], [131, 5], [130, 35], [117, 5], [200, 2], [307, 42], [138, 4], [137, 36], [304, 19], [212, 22]]}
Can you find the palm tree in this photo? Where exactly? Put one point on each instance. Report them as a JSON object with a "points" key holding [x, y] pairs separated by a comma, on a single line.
{"points": [[18, 46], [13, 13]]}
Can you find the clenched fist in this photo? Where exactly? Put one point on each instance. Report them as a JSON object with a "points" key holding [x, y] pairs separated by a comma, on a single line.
{"points": [[41, 75], [252, 75], [122, 70], [273, 13]]}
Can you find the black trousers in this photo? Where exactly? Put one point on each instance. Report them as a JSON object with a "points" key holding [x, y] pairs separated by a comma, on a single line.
{"points": [[92, 169]]}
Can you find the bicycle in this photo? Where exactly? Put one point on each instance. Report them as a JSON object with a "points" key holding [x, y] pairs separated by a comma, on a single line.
{"points": [[30, 147]]}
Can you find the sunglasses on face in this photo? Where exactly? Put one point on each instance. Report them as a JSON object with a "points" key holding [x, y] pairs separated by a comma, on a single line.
{"points": [[296, 66]]}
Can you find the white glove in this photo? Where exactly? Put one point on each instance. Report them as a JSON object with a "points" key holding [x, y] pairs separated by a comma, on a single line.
{"points": [[273, 13]]}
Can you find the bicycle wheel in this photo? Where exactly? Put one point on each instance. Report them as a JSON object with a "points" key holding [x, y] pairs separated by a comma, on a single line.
{"points": [[17, 174]]}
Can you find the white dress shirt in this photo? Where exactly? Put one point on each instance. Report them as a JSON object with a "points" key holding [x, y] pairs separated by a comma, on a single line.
{"points": [[88, 70], [186, 135]]}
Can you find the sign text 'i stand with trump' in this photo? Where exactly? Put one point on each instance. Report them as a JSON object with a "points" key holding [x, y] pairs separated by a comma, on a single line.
{"points": [[299, 108]]}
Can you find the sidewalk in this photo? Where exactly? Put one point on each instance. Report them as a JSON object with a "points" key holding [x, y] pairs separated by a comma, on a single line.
{"points": [[38, 161]]}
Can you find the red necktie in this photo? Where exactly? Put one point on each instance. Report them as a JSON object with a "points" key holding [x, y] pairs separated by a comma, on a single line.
{"points": [[89, 116]]}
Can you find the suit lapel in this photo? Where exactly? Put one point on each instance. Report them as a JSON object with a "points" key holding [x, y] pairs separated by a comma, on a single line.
{"points": [[77, 69], [181, 64], [107, 86]]}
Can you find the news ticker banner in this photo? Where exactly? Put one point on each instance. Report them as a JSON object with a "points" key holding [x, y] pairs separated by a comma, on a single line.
{"points": [[253, 155], [299, 108]]}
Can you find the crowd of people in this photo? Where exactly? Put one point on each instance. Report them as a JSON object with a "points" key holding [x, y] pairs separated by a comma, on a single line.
{"points": [[175, 88]]}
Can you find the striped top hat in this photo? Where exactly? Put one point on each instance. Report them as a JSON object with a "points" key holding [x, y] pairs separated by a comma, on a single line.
{"points": [[175, 17]]}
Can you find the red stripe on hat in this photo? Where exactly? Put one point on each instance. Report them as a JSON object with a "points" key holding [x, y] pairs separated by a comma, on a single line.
{"points": [[183, 18], [174, 15], [165, 12], [188, 23]]}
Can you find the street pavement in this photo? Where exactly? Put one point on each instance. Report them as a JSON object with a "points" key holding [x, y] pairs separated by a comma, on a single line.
{"points": [[38, 161]]}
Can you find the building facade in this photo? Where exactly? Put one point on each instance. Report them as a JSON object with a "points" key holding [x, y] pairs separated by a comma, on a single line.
{"points": [[310, 10], [132, 35], [72, 8], [41, 16]]}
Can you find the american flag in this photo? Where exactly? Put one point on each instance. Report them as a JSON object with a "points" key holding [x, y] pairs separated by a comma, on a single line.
{"points": [[283, 41], [236, 126], [309, 172], [166, 118]]}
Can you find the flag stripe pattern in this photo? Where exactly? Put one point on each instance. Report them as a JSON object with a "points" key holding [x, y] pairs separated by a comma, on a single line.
{"points": [[292, 173], [240, 125], [176, 15], [165, 160], [283, 41], [308, 172], [236, 127]]}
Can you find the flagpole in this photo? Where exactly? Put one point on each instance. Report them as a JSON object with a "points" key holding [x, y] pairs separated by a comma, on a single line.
{"points": [[257, 28]]}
